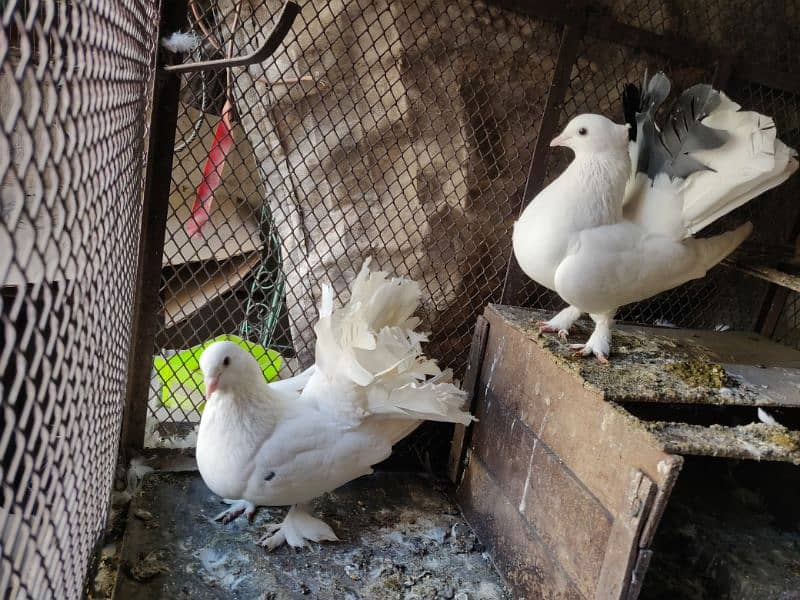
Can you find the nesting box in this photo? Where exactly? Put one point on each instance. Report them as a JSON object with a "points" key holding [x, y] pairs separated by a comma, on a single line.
{"points": [[572, 465]]}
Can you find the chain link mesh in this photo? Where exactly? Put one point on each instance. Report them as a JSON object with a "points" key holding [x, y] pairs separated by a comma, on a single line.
{"points": [[75, 80], [403, 130], [400, 131], [724, 298], [397, 129]]}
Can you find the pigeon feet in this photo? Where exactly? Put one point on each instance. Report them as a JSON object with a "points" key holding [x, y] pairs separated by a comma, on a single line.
{"points": [[561, 323], [599, 343], [237, 508], [584, 350], [297, 529], [544, 327]]}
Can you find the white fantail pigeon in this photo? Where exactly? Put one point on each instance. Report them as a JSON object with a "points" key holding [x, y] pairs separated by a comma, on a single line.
{"points": [[287, 442], [616, 226]]}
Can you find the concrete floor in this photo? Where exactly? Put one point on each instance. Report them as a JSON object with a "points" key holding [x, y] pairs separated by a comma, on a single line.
{"points": [[400, 538]]}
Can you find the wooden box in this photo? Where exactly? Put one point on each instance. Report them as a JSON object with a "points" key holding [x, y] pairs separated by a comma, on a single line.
{"points": [[568, 471]]}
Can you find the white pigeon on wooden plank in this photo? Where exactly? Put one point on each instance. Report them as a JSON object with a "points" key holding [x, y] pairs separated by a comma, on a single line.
{"points": [[616, 226], [286, 443]]}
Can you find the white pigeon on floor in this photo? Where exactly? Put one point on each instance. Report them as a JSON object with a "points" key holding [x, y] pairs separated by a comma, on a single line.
{"points": [[604, 234], [287, 442]]}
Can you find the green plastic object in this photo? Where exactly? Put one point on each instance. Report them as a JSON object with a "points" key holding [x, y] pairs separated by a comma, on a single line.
{"points": [[180, 373]]}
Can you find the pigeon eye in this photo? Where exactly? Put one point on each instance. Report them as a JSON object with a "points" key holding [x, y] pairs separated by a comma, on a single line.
{"points": [[226, 361], [582, 131]]}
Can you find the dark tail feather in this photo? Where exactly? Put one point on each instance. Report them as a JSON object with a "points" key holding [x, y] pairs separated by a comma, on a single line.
{"points": [[631, 104]]}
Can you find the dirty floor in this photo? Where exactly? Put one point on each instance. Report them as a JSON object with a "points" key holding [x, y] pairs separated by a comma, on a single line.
{"points": [[400, 538], [730, 531]]}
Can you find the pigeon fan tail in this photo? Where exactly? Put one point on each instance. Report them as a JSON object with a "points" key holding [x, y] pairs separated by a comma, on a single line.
{"points": [[751, 162], [434, 400], [372, 342], [722, 156], [711, 251], [374, 332]]}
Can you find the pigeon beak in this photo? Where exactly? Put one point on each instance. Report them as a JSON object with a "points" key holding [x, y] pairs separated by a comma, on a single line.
{"points": [[211, 385], [559, 140]]}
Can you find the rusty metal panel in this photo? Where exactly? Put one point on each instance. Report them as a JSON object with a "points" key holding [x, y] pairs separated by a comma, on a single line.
{"points": [[76, 84]]}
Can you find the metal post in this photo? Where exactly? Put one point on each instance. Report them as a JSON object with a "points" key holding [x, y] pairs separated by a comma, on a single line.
{"points": [[163, 125], [567, 55]]}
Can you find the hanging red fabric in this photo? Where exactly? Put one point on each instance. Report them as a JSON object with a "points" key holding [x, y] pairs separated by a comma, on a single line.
{"points": [[212, 173]]}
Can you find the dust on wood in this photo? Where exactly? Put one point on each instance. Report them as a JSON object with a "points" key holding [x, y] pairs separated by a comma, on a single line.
{"points": [[644, 366], [754, 441]]}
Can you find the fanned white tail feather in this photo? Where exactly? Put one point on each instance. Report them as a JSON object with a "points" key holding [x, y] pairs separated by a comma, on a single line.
{"points": [[371, 343], [752, 161]]}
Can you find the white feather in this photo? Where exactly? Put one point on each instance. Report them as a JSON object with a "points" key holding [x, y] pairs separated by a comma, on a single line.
{"points": [[180, 42], [288, 442], [603, 237]]}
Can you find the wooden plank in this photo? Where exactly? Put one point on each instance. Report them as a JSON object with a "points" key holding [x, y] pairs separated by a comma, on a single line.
{"points": [[670, 468], [623, 546], [571, 522], [756, 441], [520, 555], [232, 230], [770, 274], [597, 441], [205, 282], [663, 365], [460, 432], [728, 347]]}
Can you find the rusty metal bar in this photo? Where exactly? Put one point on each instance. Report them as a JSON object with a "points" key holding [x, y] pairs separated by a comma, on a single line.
{"points": [[567, 55], [164, 120], [274, 39]]}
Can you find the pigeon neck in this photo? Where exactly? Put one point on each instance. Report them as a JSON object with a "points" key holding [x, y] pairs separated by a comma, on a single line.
{"points": [[605, 173]]}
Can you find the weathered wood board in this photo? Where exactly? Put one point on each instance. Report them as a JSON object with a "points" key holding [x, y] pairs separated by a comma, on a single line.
{"points": [[566, 486]]}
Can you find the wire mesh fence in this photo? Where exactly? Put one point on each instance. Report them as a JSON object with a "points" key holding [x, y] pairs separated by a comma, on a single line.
{"points": [[75, 79], [402, 133], [404, 130], [398, 129]]}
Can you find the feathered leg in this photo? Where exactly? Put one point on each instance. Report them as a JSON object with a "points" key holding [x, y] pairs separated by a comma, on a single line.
{"points": [[599, 343], [561, 323], [297, 528]]}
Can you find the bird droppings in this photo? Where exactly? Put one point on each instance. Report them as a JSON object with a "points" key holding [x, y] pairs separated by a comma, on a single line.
{"points": [[401, 539], [728, 532], [148, 566], [702, 373], [645, 366], [759, 441]]}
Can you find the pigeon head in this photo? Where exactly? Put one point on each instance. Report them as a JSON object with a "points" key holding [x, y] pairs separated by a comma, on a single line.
{"points": [[226, 365], [589, 133]]}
